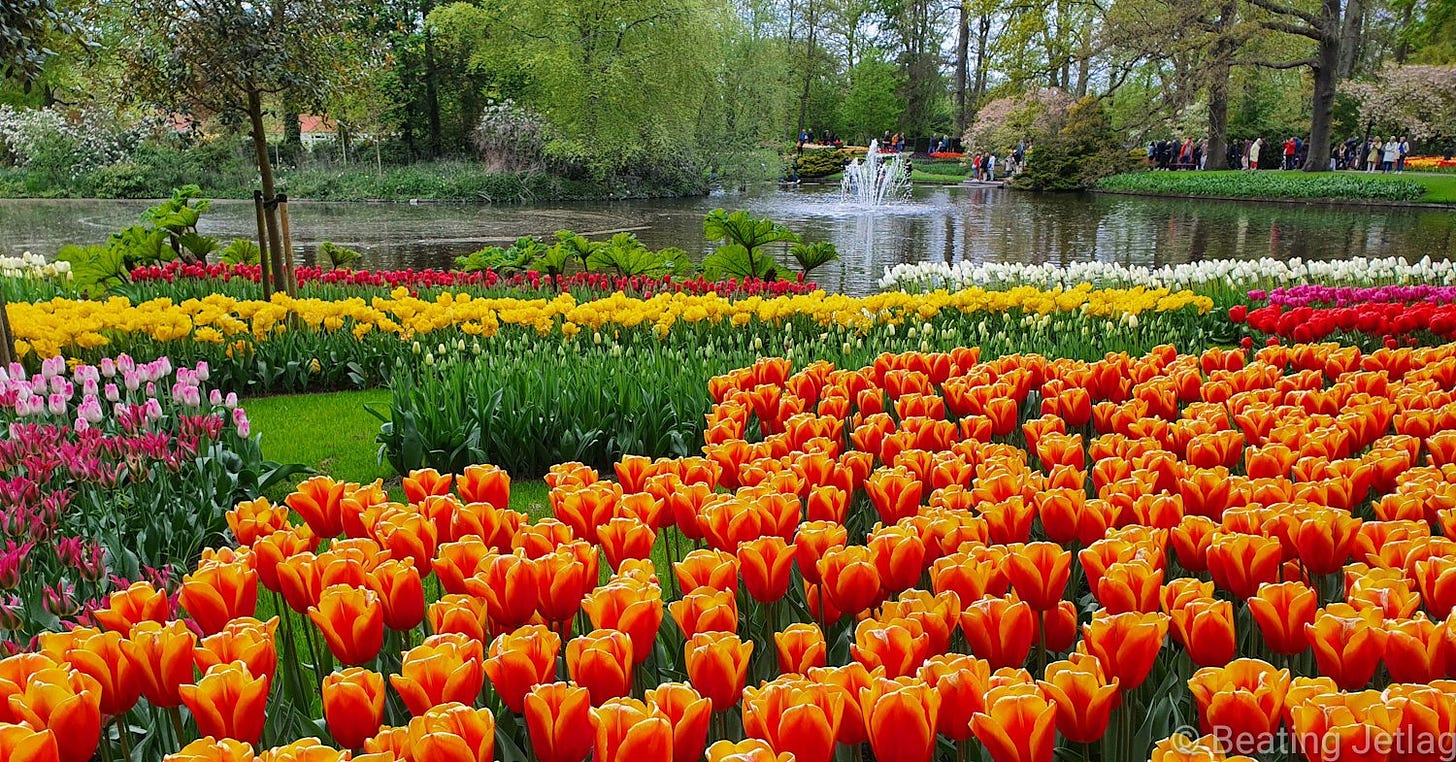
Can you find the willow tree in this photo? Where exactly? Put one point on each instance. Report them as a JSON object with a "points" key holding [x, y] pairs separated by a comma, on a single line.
{"points": [[232, 58]]}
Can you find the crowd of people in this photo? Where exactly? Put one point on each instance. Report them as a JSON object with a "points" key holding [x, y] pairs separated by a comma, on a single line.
{"points": [[826, 138], [1374, 154], [986, 166]]}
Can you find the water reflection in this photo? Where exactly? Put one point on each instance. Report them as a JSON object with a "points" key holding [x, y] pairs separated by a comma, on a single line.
{"points": [[938, 223]]}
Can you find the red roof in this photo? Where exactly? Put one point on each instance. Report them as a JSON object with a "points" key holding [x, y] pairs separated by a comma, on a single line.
{"points": [[312, 123]]}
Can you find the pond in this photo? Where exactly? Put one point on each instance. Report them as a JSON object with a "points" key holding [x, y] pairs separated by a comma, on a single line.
{"points": [[938, 223]]}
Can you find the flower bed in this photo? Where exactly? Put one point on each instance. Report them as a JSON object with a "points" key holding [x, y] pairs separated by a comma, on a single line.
{"points": [[1226, 281], [1388, 315], [111, 473], [933, 555], [1339, 296], [295, 344], [183, 281]]}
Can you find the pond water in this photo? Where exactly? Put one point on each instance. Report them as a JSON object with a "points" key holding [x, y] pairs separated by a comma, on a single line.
{"points": [[938, 223]]}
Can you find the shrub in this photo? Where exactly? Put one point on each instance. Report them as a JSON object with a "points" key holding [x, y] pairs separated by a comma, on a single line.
{"points": [[1271, 185]]}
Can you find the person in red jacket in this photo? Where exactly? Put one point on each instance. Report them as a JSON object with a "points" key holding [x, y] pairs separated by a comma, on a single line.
{"points": [[1289, 154]]}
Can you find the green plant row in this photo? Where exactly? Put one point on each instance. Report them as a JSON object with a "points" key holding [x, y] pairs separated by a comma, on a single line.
{"points": [[525, 403], [1267, 185]]}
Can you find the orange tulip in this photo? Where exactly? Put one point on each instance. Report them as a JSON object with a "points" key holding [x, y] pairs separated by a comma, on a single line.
{"points": [[270, 552], [351, 621], [999, 630], [401, 593], [1415, 649], [67, 703], [510, 584], [219, 592], [424, 482], [764, 564], [317, 501], [630, 606], [850, 680], [812, 540], [850, 577], [601, 661], [21, 743], [162, 657], [558, 719], [1343, 727], [900, 717], [245, 640], [1038, 573], [521, 659], [1083, 696], [304, 750], [1180, 748], [627, 730], [687, 713], [1019, 725], [961, 682], [408, 534], [458, 561], [632, 472], [624, 538], [453, 732], [228, 702], [1191, 539], [705, 610], [444, 669], [1057, 629], [1348, 645], [1239, 563], [253, 519], [717, 664], [1324, 538], [705, 567], [353, 705], [747, 750], [899, 646], [1205, 629], [895, 493], [1126, 644], [1283, 611], [465, 614], [485, 484], [100, 656], [212, 750], [1243, 701], [140, 602], [1436, 578], [800, 647], [794, 716]]}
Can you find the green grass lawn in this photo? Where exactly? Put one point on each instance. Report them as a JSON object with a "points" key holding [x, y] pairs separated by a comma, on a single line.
{"points": [[333, 434], [1417, 187]]}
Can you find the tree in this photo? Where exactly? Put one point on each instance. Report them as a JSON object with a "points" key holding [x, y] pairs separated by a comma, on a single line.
{"points": [[873, 103], [1335, 29], [227, 57], [1419, 101]]}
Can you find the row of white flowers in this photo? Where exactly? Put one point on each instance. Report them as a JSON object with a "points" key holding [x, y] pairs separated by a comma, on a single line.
{"points": [[1219, 273], [35, 266]]}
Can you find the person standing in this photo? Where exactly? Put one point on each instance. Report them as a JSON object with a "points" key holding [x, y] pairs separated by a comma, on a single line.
{"points": [[1400, 159], [991, 168], [1288, 154], [1372, 157], [1252, 160], [1392, 150]]}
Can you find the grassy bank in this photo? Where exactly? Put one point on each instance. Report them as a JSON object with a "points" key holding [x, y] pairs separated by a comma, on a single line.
{"points": [[1410, 187], [155, 177], [333, 434]]}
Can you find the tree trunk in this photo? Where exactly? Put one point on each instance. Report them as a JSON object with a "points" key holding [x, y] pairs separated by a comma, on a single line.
{"points": [[265, 172], [1219, 66], [812, 23], [432, 93], [978, 86], [963, 52], [1326, 77]]}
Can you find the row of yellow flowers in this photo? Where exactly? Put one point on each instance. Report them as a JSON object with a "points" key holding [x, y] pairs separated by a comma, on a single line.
{"points": [[50, 328]]}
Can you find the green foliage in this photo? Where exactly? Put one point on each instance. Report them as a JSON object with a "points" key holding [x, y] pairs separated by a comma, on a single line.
{"points": [[1270, 185], [25, 26], [812, 256], [338, 256], [734, 261], [626, 255], [873, 102], [1084, 149], [95, 268], [743, 238], [241, 251], [821, 163]]}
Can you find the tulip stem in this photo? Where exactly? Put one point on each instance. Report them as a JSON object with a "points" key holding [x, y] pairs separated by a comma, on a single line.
{"points": [[176, 715], [106, 749], [123, 731]]}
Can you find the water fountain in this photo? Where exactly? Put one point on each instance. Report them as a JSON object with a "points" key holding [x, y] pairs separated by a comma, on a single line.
{"points": [[880, 178]]}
